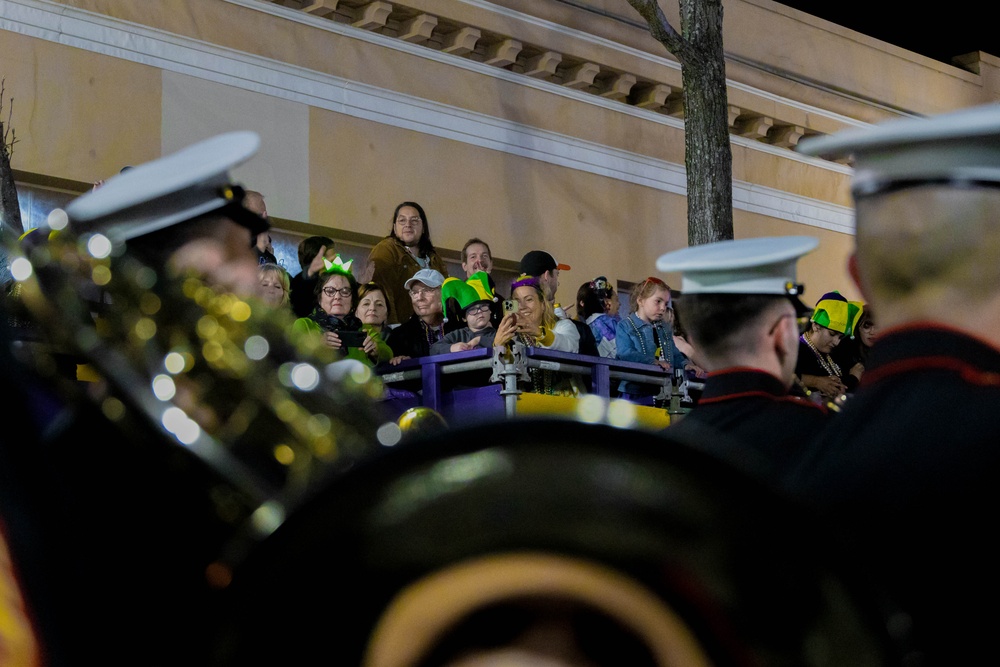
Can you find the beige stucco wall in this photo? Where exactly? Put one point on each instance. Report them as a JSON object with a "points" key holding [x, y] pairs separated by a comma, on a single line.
{"points": [[83, 107]]}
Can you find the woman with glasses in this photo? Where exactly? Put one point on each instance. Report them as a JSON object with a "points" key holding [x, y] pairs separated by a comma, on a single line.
{"points": [[833, 318], [406, 250], [333, 317]]}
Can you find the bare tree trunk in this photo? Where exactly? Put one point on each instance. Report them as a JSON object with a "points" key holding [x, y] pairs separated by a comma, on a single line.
{"points": [[708, 157]]}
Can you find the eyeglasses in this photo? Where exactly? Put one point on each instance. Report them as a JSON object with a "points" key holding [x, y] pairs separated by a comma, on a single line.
{"points": [[343, 291], [417, 292], [475, 310]]}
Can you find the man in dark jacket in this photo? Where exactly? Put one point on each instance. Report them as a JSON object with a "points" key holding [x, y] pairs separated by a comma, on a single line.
{"points": [[739, 307], [907, 472]]}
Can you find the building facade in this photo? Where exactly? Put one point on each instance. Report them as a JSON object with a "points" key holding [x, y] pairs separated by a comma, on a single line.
{"points": [[552, 124]]}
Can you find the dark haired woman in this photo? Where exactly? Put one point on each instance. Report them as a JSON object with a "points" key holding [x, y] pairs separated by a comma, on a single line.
{"points": [[597, 307], [397, 257]]}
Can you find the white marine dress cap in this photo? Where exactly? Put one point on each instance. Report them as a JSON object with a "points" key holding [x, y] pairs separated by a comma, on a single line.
{"points": [[764, 265], [962, 147], [181, 186]]}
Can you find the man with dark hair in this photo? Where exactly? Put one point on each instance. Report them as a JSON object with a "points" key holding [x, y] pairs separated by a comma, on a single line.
{"points": [[907, 472], [739, 308], [312, 251]]}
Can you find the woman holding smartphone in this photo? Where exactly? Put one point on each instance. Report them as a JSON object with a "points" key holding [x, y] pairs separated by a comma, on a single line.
{"points": [[333, 317]]}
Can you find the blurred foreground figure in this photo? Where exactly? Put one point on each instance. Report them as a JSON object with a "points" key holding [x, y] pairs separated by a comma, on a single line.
{"points": [[543, 543], [908, 469], [204, 425]]}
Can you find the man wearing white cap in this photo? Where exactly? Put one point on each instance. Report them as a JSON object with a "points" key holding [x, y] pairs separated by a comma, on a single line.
{"points": [[908, 471], [739, 306], [427, 325]]}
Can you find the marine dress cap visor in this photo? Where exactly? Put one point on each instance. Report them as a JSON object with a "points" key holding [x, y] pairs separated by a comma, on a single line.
{"points": [[182, 186], [962, 147], [744, 266]]}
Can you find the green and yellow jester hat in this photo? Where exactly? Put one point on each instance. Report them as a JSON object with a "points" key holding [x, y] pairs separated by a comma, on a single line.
{"points": [[474, 290], [836, 313]]}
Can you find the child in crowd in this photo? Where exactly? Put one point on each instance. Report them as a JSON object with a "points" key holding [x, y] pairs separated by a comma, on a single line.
{"points": [[645, 337], [474, 299]]}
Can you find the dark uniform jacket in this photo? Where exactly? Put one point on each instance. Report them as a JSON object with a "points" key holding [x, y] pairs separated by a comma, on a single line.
{"points": [[746, 417], [909, 474]]}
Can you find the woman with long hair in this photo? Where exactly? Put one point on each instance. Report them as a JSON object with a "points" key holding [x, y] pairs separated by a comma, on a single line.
{"points": [[398, 256], [534, 324], [646, 337], [597, 307]]}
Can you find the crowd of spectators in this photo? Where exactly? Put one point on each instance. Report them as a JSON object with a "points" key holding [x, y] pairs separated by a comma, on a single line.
{"points": [[410, 307]]}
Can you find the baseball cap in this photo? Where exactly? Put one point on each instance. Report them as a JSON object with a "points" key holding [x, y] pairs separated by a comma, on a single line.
{"points": [[430, 277], [537, 262]]}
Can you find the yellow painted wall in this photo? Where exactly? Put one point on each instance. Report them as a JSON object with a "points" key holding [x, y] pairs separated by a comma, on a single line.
{"points": [[80, 115]]}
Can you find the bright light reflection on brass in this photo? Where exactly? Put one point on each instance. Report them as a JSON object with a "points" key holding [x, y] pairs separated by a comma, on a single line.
{"points": [[389, 434], [361, 374], [164, 387], [305, 377], [240, 312], [267, 517], [590, 409], [149, 303], [212, 352], [21, 269], [256, 347], [112, 408], [145, 328], [57, 219], [621, 414], [318, 425], [145, 278], [101, 275], [183, 427], [175, 363], [99, 246], [207, 326], [284, 455]]}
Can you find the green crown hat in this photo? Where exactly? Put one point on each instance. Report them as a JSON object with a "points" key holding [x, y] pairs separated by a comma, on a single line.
{"points": [[338, 266], [836, 313]]}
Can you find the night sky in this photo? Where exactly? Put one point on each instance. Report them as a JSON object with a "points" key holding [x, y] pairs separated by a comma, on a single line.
{"points": [[929, 30]]}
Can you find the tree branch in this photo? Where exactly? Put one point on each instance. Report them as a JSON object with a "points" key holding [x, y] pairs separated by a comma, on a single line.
{"points": [[660, 28]]}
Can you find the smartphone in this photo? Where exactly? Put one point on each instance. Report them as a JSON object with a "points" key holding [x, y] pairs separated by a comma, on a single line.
{"points": [[352, 338], [509, 306]]}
